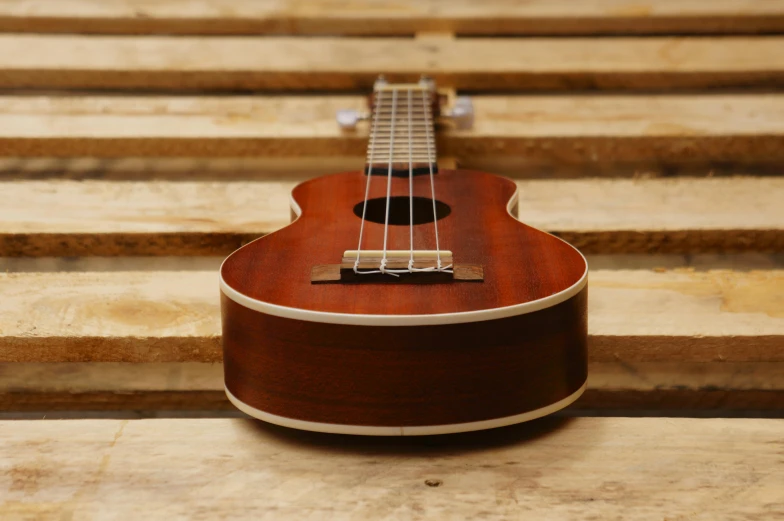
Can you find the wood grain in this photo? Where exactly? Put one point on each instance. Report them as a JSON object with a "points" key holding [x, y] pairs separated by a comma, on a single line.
{"points": [[320, 63], [399, 376], [405, 375], [610, 468], [544, 130], [478, 230], [249, 17], [649, 216], [178, 386], [213, 218], [119, 377], [678, 315]]}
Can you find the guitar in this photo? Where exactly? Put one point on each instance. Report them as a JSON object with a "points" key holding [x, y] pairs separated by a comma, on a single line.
{"points": [[404, 299]]}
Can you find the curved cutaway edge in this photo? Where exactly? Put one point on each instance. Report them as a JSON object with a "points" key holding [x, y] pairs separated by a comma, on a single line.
{"points": [[413, 430], [405, 320]]}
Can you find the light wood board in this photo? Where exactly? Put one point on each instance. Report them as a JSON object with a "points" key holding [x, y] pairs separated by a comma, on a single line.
{"points": [[89, 218], [171, 316], [319, 63], [549, 129], [558, 469], [80, 377], [401, 17]]}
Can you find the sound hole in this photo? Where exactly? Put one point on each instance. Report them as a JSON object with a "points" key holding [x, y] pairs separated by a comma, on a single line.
{"points": [[399, 213]]}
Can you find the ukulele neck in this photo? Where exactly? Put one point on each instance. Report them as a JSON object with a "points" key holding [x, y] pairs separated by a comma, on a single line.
{"points": [[402, 134]]}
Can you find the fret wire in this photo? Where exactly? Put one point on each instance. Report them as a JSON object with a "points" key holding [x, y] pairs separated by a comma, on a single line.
{"points": [[398, 136], [402, 157], [418, 149], [421, 142], [390, 115], [387, 135], [423, 150]]}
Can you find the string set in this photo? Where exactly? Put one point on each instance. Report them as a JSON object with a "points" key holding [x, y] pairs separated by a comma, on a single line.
{"points": [[382, 268]]}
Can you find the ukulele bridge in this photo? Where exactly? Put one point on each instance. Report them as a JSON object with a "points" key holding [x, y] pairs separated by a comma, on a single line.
{"points": [[396, 266]]}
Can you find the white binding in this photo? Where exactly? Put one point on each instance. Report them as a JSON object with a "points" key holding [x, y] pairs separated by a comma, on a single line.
{"points": [[418, 430], [405, 320]]}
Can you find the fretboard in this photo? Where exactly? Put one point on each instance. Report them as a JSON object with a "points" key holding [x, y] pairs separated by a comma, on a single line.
{"points": [[402, 134]]}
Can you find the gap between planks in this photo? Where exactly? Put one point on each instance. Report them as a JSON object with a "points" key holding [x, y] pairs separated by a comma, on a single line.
{"points": [[313, 17], [329, 63], [554, 468], [260, 168], [189, 386], [210, 218]]}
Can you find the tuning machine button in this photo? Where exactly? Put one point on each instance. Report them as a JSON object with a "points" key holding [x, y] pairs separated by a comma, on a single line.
{"points": [[348, 118], [461, 113]]}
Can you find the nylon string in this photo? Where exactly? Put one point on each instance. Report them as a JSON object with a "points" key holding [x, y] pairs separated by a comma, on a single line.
{"points": [[429, 141], [410, 188], [433, 186], [369, 177], [383, 266]]}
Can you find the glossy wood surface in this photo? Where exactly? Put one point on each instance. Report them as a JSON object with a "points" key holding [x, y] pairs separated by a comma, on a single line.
{"points": [[405, 375], [520, 264]]}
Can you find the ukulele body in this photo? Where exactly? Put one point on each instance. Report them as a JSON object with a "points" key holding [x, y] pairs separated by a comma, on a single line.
{"points": [[403, 358]]}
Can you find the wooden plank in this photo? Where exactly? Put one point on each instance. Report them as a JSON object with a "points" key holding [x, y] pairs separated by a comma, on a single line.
{"points": [[171, 316], [664, 215], [84, 377], [188, 386], [548, 130], [170, 218], [250, 17], [716, 386], [557, 468], [213, 218], [319, 63]]}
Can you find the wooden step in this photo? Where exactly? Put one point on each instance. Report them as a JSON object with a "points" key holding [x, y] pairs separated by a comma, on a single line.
{"points": [[551, 130], [250, 17], [90, 218], [330, 63], [556, 468], [172, 316], [119, 340]]}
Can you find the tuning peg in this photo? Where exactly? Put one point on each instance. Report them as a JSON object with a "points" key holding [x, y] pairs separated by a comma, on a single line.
{"points": [[348, 118], [380, 81], [462, 113], [427, 82]]}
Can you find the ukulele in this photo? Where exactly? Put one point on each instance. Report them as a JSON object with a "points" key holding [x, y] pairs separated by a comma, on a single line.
{"points": [[404, 299]]}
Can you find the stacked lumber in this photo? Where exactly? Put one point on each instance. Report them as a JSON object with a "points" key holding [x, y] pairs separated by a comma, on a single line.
{"points": [[140, 142]]}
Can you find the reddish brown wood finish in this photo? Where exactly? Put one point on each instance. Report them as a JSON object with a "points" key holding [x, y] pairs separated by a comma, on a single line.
{"points": [[521, 264], [405, 375], [397, 376]]}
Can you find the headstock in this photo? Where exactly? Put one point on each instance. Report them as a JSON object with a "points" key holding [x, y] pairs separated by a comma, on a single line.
{"points": [[460, 114]]}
